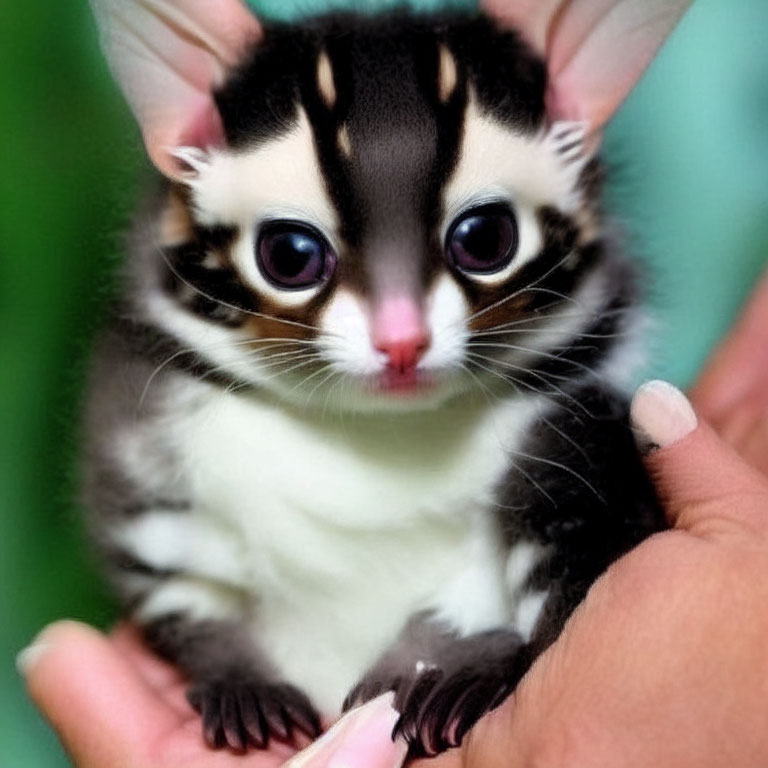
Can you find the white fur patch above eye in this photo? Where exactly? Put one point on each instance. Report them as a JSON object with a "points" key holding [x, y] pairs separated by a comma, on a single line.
{"points": [[280, 178], [528, 168]]}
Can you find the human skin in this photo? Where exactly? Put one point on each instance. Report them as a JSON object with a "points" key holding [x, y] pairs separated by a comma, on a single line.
{"points": [[664, 664]]}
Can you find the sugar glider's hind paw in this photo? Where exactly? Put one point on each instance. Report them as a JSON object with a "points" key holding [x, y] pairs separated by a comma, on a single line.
{"points": [[241, 715]]}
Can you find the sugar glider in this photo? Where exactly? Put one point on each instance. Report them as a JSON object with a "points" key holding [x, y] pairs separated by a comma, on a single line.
{"points": [[357, 421]]}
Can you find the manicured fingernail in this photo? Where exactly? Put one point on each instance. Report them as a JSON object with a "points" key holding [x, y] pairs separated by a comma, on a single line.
{"points": [[29, 656], [360, 739], [370, 744], [660, 415]]}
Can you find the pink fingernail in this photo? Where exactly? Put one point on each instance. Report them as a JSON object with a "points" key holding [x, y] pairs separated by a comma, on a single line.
{"points": [[661, 415]]}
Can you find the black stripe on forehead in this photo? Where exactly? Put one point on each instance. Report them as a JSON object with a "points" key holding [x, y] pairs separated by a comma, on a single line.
{"points": [[403, 141]]}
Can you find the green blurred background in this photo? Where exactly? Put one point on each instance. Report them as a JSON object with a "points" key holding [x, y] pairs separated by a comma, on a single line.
{"points": [[690, 159]]}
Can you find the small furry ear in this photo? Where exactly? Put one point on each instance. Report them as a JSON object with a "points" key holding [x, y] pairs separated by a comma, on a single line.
{"points": [[167, 55], [596, 50]]}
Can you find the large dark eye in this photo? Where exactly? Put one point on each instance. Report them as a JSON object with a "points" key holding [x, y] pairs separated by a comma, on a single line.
{"points": [[293, 255], [483, 240]]}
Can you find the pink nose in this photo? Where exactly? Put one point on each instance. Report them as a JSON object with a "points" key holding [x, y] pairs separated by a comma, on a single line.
{"points": [[399, 331], [404, 354]]}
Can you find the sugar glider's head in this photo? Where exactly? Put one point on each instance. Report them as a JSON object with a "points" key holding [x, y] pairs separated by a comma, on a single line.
{"points": [[386, 212]]}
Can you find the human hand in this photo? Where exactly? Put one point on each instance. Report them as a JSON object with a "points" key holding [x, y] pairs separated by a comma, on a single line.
{"points": [[115, 705]]}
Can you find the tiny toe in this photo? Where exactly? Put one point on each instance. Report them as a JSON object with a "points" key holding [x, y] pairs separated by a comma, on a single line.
{"points": [[475, 705], [211, 712], [274, 717], [233, 731], [253, 722], [301, 713]]}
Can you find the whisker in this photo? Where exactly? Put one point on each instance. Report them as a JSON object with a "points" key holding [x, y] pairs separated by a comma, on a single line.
{"points": [[565, 436], [331, 390], [523, 369], [516, 293], [319, 371], [535, 331], [488, 393], [537, 374], [565, 468], [213, 347], [320, 384], [533, 482], [539, 318], [269, 365], [535, 353]]}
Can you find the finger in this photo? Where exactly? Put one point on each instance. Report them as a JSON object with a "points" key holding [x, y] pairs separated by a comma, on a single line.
{"points": [[158, 673], [163, 677], [362, 738], [738, 370], [104, 712], [704, 484]]}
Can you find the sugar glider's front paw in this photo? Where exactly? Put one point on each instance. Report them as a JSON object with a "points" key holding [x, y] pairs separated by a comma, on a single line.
{"points": [[440, 709], [445, 702], [239, 714]]}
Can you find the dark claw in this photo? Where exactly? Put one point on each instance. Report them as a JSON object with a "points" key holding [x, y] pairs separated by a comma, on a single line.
{"points": [[253, 722], [209, 708], [272, 710], [301, 713], [412, 703], [231, 722], [239, 715], [437, 716]]}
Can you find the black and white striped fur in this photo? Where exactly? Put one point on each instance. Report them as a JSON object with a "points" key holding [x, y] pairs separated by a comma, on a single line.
{"points": [[294, 535]]}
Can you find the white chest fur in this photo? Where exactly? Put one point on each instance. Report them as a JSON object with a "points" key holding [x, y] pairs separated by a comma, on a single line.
{"points": [[344, 528]]}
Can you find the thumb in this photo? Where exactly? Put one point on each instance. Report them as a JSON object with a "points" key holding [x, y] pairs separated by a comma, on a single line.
{"points": [[101, 709], [705, 487]]}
